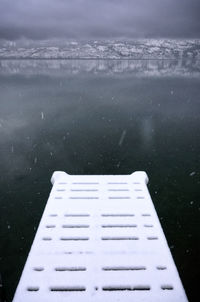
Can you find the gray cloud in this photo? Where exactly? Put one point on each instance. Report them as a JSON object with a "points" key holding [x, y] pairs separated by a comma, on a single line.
{"points": [[41, 19]]}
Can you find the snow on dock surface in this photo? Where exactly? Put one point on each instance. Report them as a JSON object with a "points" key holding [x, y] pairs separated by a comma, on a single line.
{"points": [[100, 239]]}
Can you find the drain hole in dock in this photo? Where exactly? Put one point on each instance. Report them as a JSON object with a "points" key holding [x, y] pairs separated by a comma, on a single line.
{"points": [[46, 238], [76, 215], [77, 226], [167, 287], [38, 269], [119, 197], [161, 268], [119, 238], [68, 289], [117, 183], [117, 215], [125, 288], [84, 190], [33, 288], [119, 225], [124, 268], [70, 269], [118, 190], [79, 252], [75, 238], [87, 197], [152, 238], [85, 183]]}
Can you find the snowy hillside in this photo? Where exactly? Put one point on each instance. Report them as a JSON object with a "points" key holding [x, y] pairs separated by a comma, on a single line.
{"points": [[133, 49]]}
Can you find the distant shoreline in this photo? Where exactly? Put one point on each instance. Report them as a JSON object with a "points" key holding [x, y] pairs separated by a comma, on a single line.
{"points": [[144, 49]]}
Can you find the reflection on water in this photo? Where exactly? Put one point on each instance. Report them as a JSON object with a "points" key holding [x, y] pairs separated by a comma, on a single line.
{"points": [[164, 67], [99, 117]]}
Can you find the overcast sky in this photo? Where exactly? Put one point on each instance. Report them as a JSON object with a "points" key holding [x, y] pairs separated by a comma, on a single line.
{"points": [[85, 19]]}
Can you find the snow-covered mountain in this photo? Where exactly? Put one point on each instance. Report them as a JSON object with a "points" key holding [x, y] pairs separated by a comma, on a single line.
{"points": [[109, 49]]}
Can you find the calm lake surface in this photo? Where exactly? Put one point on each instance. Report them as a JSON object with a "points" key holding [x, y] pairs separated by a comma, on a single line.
{"points": [[100, 117]]}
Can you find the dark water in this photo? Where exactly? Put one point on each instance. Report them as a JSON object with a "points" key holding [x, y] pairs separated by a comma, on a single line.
{"points": [[92, 117]]}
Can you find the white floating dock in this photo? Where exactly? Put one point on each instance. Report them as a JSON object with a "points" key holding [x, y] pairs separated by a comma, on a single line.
{"points": [[100, 240]]}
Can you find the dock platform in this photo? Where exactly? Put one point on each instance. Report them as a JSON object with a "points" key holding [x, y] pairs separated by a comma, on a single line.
{"points": [[100, 239]]}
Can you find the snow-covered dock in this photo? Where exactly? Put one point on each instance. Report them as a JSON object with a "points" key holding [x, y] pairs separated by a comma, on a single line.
{"points": [[100, 239]]}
